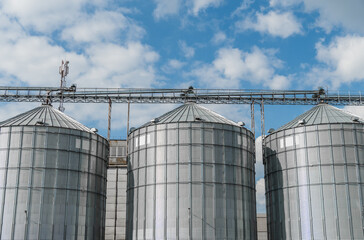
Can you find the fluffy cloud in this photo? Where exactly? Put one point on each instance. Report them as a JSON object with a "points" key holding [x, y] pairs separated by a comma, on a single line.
{"points": [[113, 56], [338, 13], [272, 23], [139, 114], [187, 51], [33, 61], [332, 13], [231, 66], [260, 195], [200, 5], [356, 110], [131, 65], [32, 13], [166, 7], [235, 113], [219, 37], [104, 49], [173, 65], [340, 61], [103, 26]]}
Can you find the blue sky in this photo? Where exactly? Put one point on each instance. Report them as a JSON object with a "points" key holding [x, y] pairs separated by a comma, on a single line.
{"points": [[276, 44]]}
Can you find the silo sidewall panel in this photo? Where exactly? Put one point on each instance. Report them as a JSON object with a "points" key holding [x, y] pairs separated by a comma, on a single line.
{"points": [[53, 184], [314, 177], [191, 180]]}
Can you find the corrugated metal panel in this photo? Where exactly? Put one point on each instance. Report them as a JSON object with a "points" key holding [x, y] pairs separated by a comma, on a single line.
{"points": [[191, 180], [192, 112], [116, 191], [314, 178], [322, 114], [52, 179], [47, 115]]}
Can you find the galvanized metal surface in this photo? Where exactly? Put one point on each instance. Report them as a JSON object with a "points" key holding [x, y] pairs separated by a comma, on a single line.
{"points": [[45, 115], [52, 183], [116, 191], [262, 226], [191, 112], [322, 114], [116, 203], [314, 182], [191, 180]]}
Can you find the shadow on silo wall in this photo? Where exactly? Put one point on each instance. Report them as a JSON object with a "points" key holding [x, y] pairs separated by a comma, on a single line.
{"points": [[275, 201], [130, 203]]}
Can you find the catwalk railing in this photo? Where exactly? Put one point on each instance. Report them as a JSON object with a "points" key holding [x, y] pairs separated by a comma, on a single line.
{"points": [[149, 95]]}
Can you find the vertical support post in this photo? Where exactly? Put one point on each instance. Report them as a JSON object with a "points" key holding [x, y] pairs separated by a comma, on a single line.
{"points": [[109, 121], [127, 130], [262, 120], [252, 118]]}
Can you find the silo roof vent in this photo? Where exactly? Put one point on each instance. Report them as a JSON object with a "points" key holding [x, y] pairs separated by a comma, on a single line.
{"points": [[154, 120], [94, 130], [271, 130], [242, 124], [355, 119], [40, 121], [302, 122]]}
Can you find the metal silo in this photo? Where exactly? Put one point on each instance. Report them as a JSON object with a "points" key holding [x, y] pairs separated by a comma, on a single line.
{"points": [[314, 176], [191, 176], [52, 177]]}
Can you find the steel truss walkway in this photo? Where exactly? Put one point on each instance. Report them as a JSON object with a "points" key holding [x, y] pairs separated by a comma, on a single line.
{"points": [[203, 96]]}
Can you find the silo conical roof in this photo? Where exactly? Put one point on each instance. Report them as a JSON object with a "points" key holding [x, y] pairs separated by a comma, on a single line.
{"points": [[192, 112], [322, 114], [45, 115]]}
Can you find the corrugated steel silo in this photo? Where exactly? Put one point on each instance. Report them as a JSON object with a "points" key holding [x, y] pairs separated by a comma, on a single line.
{"points": [[191, 176], [314, 172], [52, 177]]}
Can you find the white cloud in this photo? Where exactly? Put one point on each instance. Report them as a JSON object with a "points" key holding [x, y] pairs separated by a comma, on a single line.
{"points": [[219, 37], [187, 51], [166, 7], [32, 13], [113, 65], [234, 113], [348, 15], [283, 3], [200, 5], [245, 4], [173, 65], [232, 66], [98, 113], [273, 23], [102, 26], [340, 62], [332, 13], [356, 110], [33, 61], [9, 110], [260, 196]]}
